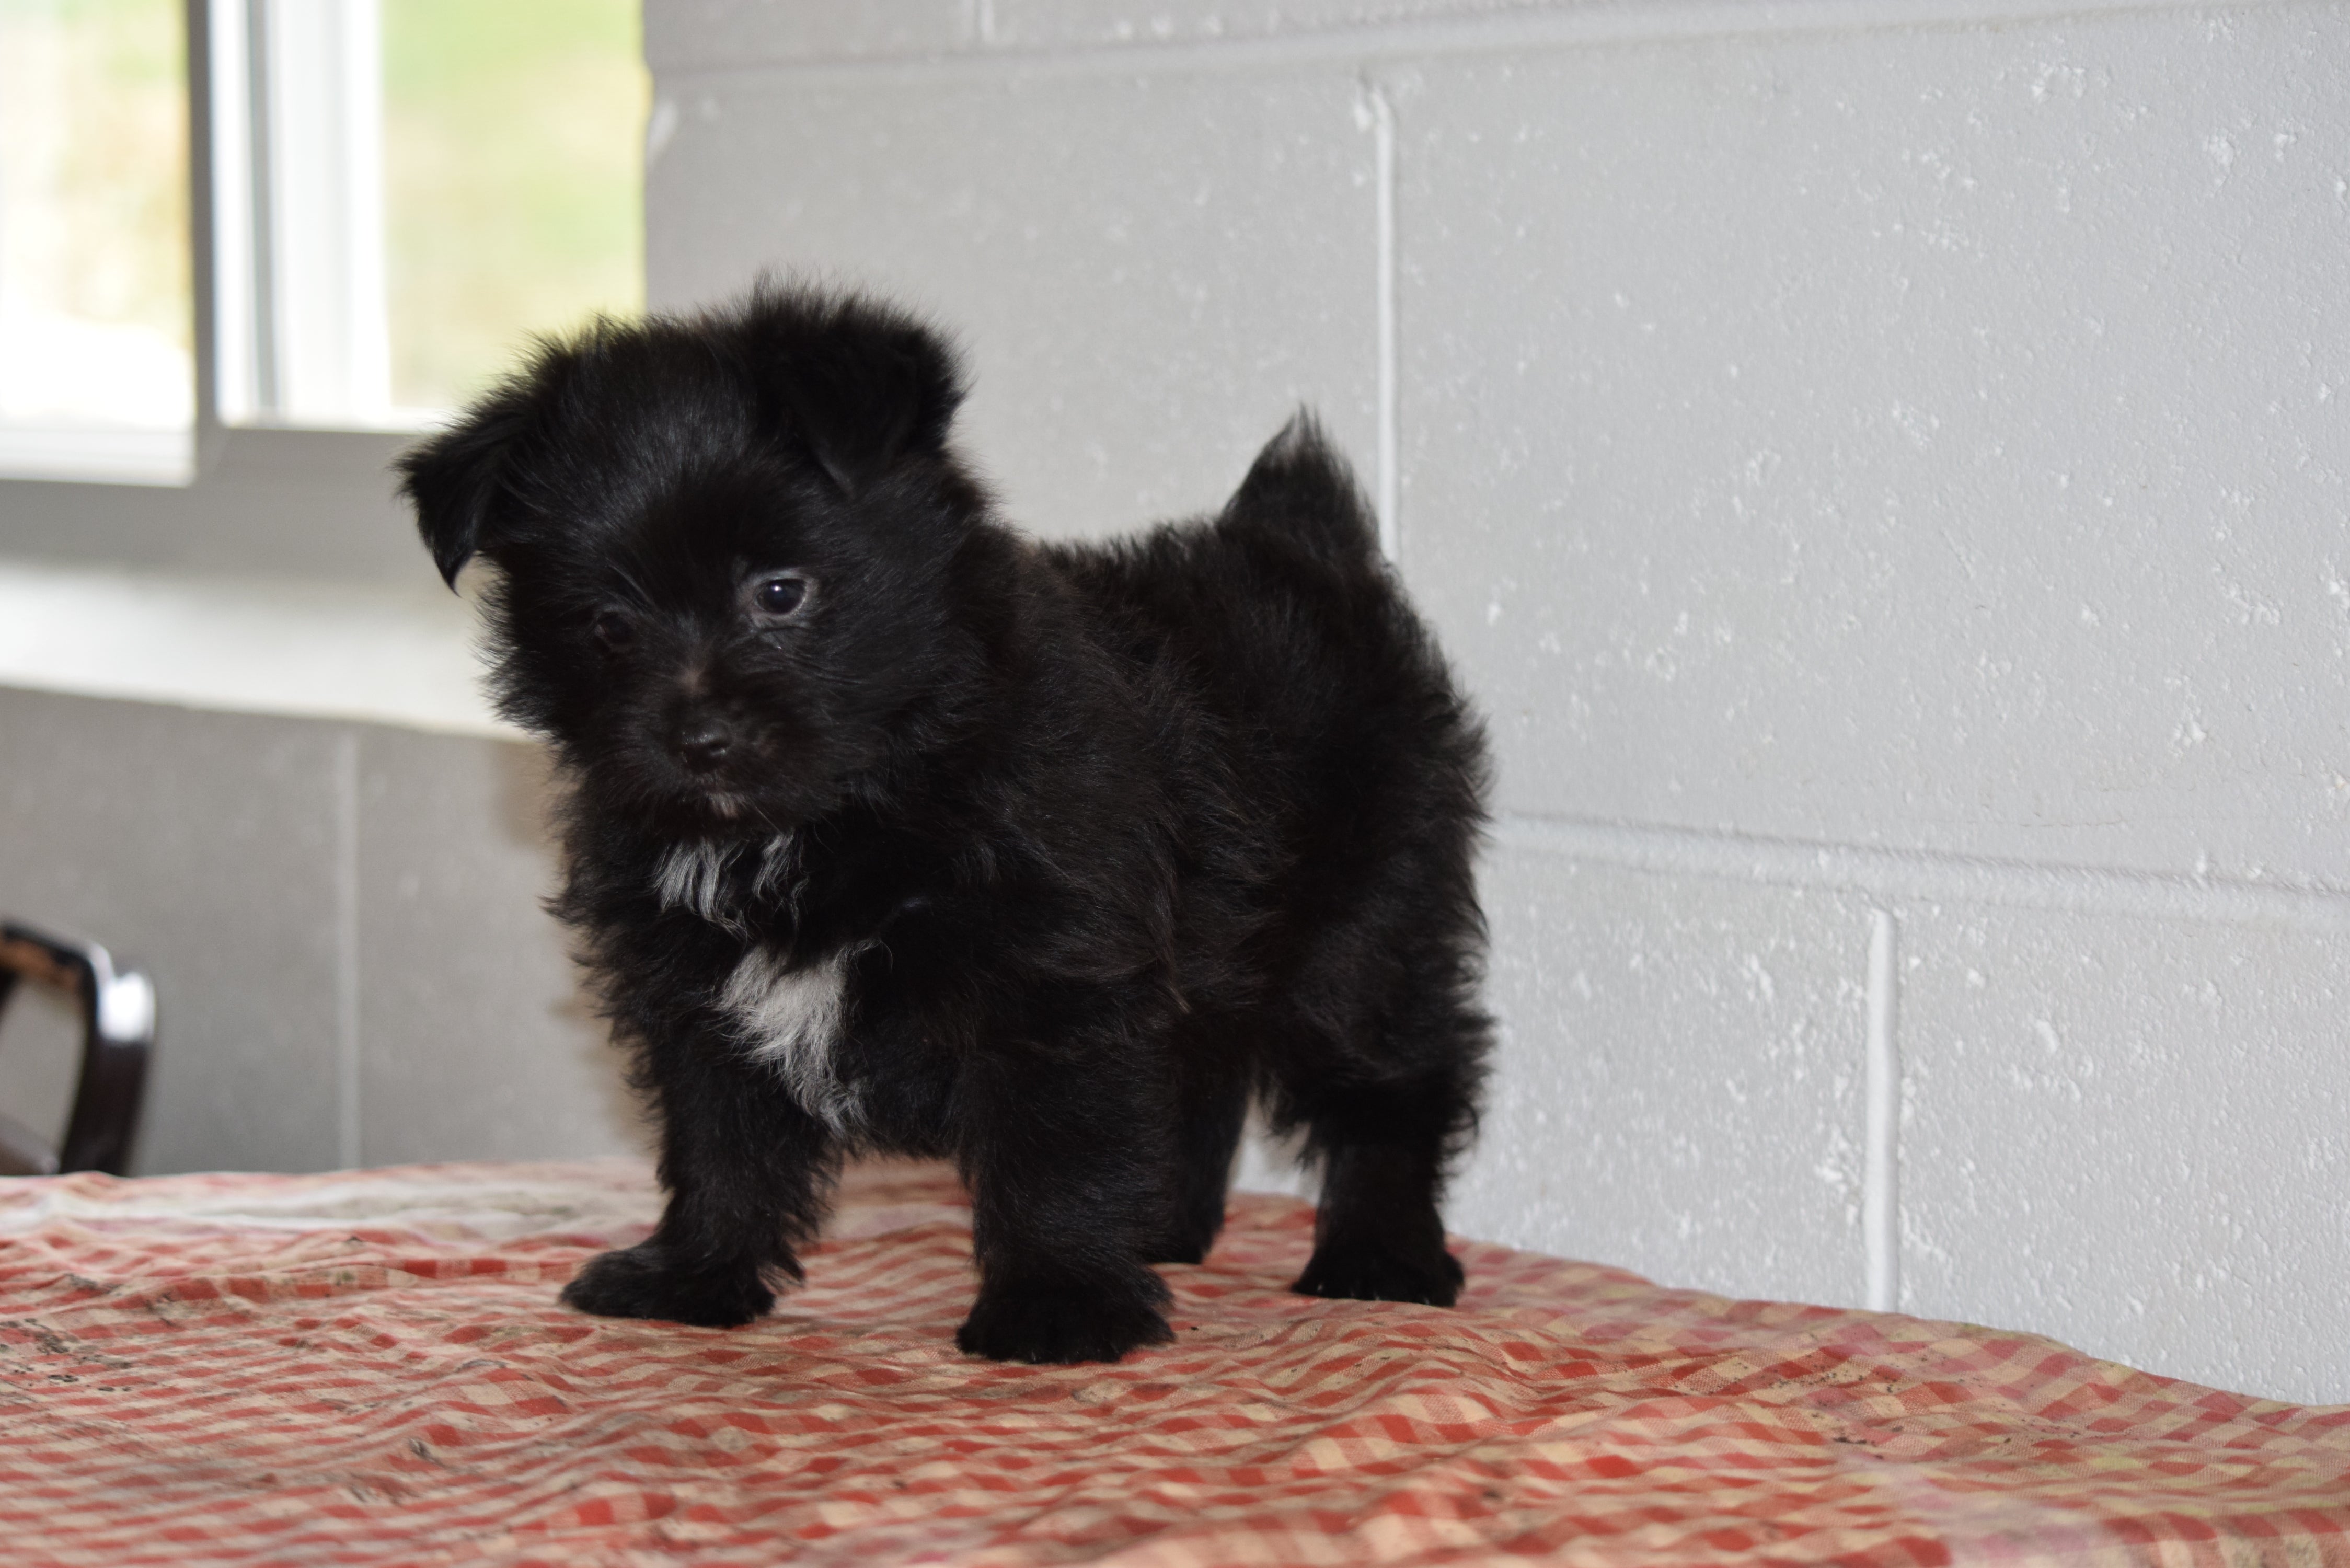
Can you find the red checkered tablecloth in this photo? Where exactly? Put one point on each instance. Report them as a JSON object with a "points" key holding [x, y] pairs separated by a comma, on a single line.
{"points": [[370, 1367]]}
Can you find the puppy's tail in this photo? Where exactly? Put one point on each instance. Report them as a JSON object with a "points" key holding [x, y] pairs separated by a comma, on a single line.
{"points": [[1301, 495]]}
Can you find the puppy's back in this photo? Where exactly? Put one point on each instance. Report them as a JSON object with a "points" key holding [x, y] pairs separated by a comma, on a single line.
{"points": [[1290, 637], [1276, 601]]}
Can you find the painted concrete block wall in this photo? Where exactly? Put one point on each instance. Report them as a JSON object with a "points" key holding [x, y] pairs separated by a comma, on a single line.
{"points": [[1683, 1076], [2134, 1127], [1110, 343], [1880, 466], [342, 924]]}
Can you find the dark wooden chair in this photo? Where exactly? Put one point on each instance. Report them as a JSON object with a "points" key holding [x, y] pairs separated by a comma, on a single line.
{"points": [[118, 1010]]}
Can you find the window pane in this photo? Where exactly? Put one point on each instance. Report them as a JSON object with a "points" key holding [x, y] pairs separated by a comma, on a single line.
{"points": [[513, 147], [95, 318]]}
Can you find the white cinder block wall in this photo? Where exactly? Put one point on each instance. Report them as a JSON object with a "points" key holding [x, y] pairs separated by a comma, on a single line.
{"points": [[1880, 466]]}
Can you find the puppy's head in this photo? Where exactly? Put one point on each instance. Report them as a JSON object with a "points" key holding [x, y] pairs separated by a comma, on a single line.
{"points": [[724, 546]]}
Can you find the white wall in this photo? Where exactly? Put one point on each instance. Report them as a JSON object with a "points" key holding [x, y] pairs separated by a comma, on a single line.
{"points": [[1881, 467], [343, 924]]}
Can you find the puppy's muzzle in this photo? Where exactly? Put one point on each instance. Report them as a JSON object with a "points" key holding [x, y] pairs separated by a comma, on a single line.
{"points": [[702, 744]]}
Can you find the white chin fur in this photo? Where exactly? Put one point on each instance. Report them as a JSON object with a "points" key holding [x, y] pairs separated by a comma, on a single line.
{"points": [[790, 1017], [693, 877]]}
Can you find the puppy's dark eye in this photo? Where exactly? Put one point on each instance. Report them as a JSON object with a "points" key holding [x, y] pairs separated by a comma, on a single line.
{"points": [[779, 594], [614, 630]]}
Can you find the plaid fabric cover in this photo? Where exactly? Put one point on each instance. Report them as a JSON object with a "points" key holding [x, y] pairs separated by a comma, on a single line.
{"points": [[370, 1367]]}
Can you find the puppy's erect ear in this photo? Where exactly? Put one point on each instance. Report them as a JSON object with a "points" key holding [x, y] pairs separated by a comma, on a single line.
{"points": [[860, 384], [457, 479]]}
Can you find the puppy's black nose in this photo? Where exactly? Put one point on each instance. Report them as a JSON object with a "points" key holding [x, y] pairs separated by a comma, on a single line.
{"points": [[702, 744]]}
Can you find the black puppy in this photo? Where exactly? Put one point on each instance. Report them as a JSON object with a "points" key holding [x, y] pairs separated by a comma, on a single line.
{"points": [[891, 829]]}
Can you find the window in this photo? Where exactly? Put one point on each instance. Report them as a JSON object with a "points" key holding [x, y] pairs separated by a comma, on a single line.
{"points": [[397, 193], [406, 188], [514, 179], [97, 351]]}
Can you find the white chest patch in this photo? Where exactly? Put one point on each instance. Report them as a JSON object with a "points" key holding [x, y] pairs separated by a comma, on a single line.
{"points": [[790, 1018]]}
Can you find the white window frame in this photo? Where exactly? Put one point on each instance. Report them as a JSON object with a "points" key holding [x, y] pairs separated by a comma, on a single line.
{"points": [[301, 335]]}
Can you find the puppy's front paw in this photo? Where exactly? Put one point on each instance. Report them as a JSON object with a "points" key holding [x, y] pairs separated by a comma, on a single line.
{"points": [[1367, 1273], [642, 1282], [1061, 1323]]}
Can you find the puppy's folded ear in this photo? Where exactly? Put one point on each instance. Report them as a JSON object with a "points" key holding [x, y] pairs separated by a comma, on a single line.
{"points": [[458, 478], [860, 385]]}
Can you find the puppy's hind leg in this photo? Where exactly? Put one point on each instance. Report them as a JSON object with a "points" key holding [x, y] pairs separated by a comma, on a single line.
{"points": [[1377, 1235]]}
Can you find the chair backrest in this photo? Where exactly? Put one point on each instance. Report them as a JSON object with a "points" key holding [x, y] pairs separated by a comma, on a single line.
{"points": [[118, 1008]]}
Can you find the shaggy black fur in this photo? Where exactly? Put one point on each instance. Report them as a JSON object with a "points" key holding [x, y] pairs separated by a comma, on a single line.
{"points": [[891, 829]]}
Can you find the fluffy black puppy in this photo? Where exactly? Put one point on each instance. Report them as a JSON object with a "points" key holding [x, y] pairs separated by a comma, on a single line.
{"points": [[891, 829]]}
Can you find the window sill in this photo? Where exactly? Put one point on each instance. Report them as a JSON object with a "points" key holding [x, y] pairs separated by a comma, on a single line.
{"points": [[263, 502], [299, 649], [87, 453]]}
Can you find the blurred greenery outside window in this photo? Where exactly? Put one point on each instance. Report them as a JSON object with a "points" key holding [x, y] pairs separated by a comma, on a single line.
{"points": [[514, 174], [97, 364], [402, 191]]}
